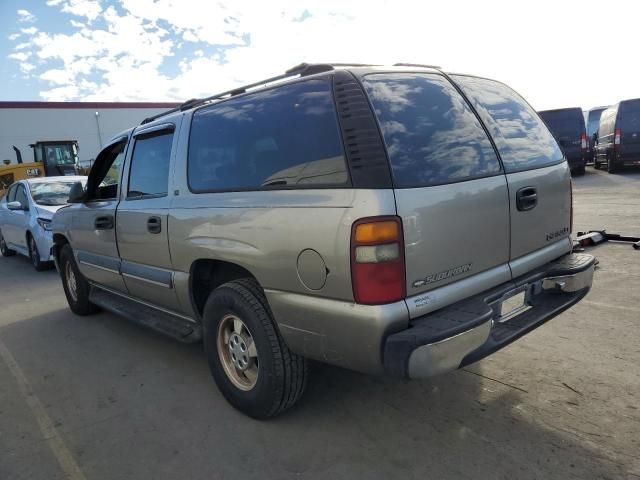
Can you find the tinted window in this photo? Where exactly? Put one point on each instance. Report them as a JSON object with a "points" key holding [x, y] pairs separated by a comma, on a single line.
{"points": [[523, 140], [149, 173], [21, 196], [431, 134], [629, 116], [566, 125], [286, 136]]}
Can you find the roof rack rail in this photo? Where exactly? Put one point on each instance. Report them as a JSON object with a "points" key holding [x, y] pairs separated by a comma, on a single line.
{"points": [[416, 65], [301, 70]]}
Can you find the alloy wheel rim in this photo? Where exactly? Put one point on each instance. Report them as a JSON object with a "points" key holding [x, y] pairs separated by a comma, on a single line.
{"points": [[237, 352], [72, 285]]}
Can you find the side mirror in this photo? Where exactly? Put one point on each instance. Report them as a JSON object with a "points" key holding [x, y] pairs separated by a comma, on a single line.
{"points": [[15, 206], [77, 193]]}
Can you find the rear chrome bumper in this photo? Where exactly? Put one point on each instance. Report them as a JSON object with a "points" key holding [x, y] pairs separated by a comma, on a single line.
{"points": [[472, 329]]}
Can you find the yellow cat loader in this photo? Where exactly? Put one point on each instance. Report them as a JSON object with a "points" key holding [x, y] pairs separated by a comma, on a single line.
{"points": [[50, 159]]}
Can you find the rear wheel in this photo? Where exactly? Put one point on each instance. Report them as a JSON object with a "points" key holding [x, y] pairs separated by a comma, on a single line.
{"points": [[75, 285], [611, 166], [34, 255], [252, 366], [4, 249], [596, 164], [579, 170]]}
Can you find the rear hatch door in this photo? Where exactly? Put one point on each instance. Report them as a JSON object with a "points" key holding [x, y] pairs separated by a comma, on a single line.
{"points": [[567, 126], [629, 125], [538, 177], [450, 189]]}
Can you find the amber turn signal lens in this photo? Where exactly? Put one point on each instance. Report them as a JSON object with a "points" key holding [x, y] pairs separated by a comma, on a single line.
{"points": [[377, 232]]}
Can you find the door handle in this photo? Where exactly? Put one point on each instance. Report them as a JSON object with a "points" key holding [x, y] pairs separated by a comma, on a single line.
{"points": [[526, 198], [104, 223], [154, 225]]}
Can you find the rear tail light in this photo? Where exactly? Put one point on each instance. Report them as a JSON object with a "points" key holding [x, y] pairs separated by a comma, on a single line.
{"points": [[617, 136], [377, 260], [583, 141]]}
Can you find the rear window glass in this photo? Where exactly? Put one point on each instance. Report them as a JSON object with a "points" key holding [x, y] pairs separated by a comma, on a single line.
{"points": [[629, 116], [565, 125], [280, 138], [431, 134], [522, 138]]}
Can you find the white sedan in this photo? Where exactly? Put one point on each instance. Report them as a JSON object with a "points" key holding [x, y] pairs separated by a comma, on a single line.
{"points": [[25, 216]]}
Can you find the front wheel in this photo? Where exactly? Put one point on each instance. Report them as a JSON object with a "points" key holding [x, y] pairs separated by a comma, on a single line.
{"points": [[34, 255], [5, 251], [252, 366], [75, 285]]}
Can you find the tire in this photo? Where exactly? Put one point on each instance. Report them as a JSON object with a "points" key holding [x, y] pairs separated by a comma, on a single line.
{"points": [[78, 297], [278, 376], [4, 250], [596, 164], [611, 167], [34, 255], [580, 170]]}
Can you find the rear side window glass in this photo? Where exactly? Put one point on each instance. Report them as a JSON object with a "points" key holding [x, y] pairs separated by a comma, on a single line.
{"points": [[523, 140], [149, 174], [629, 116], [431, 134], [280, 138]]}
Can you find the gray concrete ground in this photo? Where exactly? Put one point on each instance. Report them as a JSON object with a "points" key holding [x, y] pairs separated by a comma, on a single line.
{"points": [[100, 398]]}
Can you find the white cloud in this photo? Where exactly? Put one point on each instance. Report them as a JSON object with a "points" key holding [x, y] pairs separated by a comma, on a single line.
{"points": [[90, 9], [25, 16], [20, 56], [13, 36], [252, 39]]}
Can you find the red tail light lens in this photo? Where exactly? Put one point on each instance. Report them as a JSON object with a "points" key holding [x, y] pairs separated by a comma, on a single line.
{"points": [[617, 136], [583, 141], [377, 260]]}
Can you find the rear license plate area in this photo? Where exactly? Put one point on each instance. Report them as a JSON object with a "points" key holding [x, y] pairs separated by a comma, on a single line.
{"points": [[511, 305]]}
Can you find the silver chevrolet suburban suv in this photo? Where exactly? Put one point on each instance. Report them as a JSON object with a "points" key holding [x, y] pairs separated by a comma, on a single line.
{"points": [[390, 220]]}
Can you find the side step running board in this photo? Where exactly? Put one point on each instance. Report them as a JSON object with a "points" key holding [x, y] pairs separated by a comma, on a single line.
{"points": [[158, 320]]}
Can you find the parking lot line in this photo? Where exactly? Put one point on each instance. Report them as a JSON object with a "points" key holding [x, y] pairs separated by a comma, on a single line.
{"points": [[49, 431]]}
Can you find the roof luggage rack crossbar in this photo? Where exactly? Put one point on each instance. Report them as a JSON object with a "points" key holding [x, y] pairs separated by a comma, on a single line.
{"points": [[301, 70], [416, 65]]}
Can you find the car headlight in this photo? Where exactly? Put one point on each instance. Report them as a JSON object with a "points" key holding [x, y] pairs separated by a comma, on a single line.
{"points": [[45, 223]]}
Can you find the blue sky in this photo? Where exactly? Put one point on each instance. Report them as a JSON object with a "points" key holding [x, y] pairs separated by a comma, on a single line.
{"points": [[137, 50]]}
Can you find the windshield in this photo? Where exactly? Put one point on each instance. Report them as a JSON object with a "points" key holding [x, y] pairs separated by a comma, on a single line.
{"points": [[53, 194], [59, 154]]}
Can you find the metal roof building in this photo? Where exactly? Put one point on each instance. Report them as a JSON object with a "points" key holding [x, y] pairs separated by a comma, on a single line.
{"points": [[90, 123]]}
